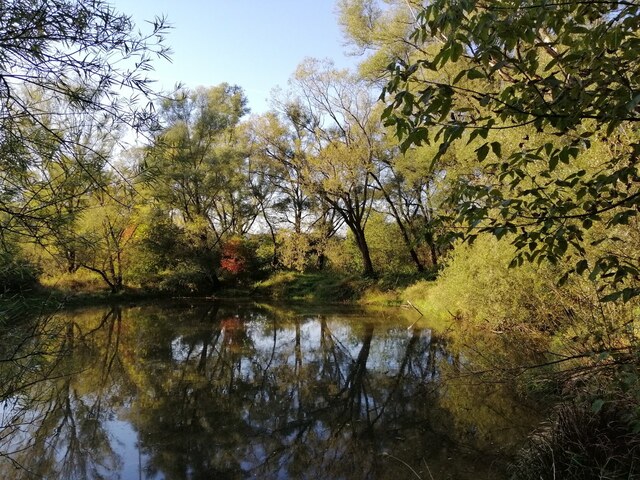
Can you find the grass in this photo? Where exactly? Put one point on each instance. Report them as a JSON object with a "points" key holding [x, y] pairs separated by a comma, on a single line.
{"points": [[331, 287], [581, 444], [317, 287]]}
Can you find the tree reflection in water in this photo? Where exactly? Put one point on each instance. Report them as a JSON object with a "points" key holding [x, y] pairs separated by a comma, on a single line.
{"points": [[232, 391]]}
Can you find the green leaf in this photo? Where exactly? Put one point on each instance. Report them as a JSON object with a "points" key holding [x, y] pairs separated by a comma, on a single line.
{"points": [[482, 152], [473, 74], [629, 293], [497, 149], [581, 266], [612, 297], [456, 51], [597, 405], [563, 279]]}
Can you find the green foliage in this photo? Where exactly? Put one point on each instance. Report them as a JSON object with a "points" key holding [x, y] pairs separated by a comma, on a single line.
{"points": [[166, 258], [183, 279], [385, 241], [17, 274], [530, 64], [342, 255], [347, 132], [294, 251], [91, 61], [478, 284], [319, 287], [377, 29]]}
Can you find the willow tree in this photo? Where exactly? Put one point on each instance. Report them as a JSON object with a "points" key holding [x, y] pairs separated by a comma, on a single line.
{"points": [[85, 55], [301, 223], [346, 131], [197, 171], [378, 31]]}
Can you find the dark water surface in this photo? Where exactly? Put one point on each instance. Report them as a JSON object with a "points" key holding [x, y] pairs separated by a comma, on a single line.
{"points": [[232, 391]]}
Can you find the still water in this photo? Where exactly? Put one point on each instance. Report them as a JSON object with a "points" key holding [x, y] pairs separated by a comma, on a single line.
{"points": [[233, 391]]}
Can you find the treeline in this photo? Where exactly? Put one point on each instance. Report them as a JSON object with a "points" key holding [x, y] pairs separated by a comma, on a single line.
{"points": [[217, 196], [478, 132]]}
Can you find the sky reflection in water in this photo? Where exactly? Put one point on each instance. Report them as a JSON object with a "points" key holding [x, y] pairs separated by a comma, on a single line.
{"points": [[239, 391]]}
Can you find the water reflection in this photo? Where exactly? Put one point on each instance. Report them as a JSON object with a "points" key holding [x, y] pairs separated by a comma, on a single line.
{"points": [[233, 391]]}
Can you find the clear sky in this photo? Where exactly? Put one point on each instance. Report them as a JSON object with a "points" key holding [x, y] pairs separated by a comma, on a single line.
{"points": [[256, 44]]}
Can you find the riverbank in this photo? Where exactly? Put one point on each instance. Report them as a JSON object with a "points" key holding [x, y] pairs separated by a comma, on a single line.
{"points": [[325, 287]]}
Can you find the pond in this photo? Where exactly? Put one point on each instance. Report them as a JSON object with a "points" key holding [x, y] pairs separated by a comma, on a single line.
{"points": [[237, 390]]}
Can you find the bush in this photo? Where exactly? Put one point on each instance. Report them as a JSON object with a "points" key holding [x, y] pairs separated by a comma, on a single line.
{"points": [[185, 278], [594, 347], [582, 444], [17, 274], [388, 250], [478, 284]]}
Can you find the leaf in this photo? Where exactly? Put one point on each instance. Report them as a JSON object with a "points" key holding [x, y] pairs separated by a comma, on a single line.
{"points": [[597, 404], [456, 51], [629, 293], [563, 279], [496, 147], [581, 266], [473, 74], [612, 297], [482, 152]]}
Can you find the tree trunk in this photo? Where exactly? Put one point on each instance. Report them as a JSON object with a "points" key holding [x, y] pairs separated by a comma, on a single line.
{"points": [[401, 226], [433, 250], [361, 241]]}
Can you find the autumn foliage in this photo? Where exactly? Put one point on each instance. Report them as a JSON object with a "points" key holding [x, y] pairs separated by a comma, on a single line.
{"points": [[234, 257]]}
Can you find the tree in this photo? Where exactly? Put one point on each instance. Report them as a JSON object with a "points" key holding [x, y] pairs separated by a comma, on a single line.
{"points": [[282, 143], [300, 224], [105, 231], [378, 30], [197, 168], [86, 55], [68, 162], [409, 184], [346, 131], [568, 69]]}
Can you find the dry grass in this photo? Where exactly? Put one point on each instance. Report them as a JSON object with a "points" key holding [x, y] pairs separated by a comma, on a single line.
{"points": [[582, 444]]}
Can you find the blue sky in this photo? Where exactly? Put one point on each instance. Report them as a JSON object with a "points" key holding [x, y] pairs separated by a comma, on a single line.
{"points": [[256, 44]]}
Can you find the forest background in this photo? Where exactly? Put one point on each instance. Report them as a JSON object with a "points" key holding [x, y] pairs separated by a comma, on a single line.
{"points": [[481, 163]]}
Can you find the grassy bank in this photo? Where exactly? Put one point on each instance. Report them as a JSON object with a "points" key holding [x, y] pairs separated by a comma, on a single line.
{"points": [[331, 287]]}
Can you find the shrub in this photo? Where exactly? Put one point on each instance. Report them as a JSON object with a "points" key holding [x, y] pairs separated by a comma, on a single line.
{"points": [[582, 444], [185, 278], [17, 274], [478, 284]]}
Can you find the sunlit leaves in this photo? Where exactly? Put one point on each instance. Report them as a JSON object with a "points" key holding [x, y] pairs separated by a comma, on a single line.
{"points": [[569, 72]]}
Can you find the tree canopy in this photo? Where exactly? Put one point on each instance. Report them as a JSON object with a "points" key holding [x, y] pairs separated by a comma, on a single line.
{"points": [[567, 69], [63, 59]]}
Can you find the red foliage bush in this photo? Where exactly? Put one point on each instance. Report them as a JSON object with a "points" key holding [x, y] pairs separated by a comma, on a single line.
{"points": [[234, 257]]}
